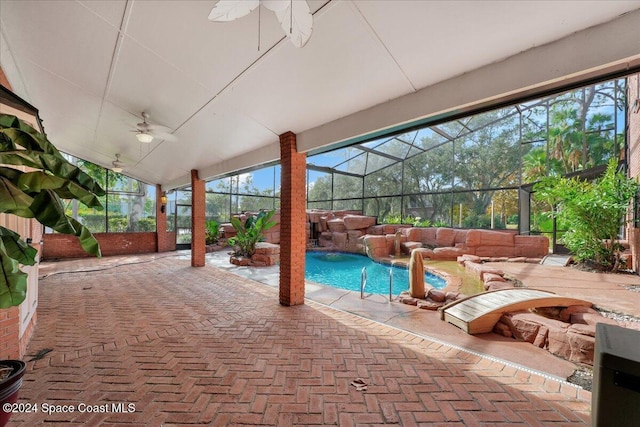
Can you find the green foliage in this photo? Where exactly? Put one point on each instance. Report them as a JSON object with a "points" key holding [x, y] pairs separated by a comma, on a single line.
{"points": [[594, 212], [250, 232], [94, 222], [483, 222], [145, 224], [414, 221], [118, 224], [36, 194], [212, 232], [392, 219]]}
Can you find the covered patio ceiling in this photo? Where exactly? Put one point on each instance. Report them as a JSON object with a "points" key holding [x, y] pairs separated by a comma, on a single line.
{"points": [[227, 90]]}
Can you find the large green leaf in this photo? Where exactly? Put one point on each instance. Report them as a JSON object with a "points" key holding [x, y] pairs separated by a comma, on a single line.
{"points": [[16, 248], [13, 282], [31, 140], [21, 158], [48, 210], [13, 200], [87, 240], [34, 182], [77, 192], [51, 163]]}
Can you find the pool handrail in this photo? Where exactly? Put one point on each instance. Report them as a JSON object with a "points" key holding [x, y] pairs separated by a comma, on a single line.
{"points": [[363, 282], [390, 285]]}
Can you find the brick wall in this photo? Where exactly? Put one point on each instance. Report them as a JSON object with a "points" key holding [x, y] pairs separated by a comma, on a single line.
{"points": [[633, 233], [9, 331], [293, 220], [61, 246]]}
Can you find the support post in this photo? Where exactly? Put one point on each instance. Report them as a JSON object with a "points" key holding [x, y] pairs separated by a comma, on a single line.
{"points": [[198, 199], [293, 219]]}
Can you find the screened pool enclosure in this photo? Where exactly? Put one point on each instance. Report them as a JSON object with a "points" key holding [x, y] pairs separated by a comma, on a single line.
{"points": [[475, 171]]}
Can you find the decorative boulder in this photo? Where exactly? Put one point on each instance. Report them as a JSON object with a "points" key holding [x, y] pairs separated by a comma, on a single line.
{"points": [[336, 225], [416, 275], [358, 222]]}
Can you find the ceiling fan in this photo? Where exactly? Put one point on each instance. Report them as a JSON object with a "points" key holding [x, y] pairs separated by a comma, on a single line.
{"points": [[147, 132], [118, 166], [294, 15]]}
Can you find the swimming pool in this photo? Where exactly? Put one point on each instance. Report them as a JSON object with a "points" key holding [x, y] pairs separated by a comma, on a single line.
{"points": [[344, 271]]}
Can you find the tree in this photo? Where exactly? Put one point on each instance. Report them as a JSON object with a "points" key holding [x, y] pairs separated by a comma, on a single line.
{"points": [[36, 194], [594, 212]]}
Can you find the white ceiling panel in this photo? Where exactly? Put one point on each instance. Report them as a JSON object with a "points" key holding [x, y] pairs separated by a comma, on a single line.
{"points": [[211, 53], [63, 37], [441, 39], [227, 133], [342, 69], [111, 11], [142, 81], [54, 96]]}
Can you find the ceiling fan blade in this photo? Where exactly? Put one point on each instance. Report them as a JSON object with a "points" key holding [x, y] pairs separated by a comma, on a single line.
{"points": [[165, 136], [276, 5], [229, 10], [153, 128], [297, 23]]}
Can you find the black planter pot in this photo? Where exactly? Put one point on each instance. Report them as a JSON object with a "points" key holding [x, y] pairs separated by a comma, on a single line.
{"points": [[9, 387]]}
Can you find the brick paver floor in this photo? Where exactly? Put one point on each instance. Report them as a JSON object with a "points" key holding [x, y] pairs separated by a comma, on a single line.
{"points": [[201, 346]]}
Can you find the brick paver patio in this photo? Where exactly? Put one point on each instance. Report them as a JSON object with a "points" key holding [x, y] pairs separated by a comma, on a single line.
{"points": [[201, 346]]}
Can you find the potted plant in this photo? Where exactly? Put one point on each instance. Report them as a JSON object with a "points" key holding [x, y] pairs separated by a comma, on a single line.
{"points": [[11, 372], [36, 193], [249, 233]]}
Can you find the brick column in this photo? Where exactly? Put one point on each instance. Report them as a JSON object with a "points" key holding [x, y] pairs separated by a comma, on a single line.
{"points": [[292, 221], [197, 220]]}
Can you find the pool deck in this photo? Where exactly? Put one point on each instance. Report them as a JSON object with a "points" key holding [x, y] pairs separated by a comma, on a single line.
{"points": [[424, 323], [206, 346]]}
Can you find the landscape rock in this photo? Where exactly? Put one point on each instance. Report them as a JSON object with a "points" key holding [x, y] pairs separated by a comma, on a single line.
{"points": [[336, 225], [436, 295], [429, 305], [445, 237], [582, 347], [357, 222]]}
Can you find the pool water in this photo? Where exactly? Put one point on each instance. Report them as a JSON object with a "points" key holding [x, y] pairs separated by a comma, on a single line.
{"points": [[344, 271]]}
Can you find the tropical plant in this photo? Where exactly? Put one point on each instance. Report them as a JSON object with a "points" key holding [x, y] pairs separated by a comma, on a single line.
{"points": [[594, 212], [212, 231], [250, 232], [36, 194]]}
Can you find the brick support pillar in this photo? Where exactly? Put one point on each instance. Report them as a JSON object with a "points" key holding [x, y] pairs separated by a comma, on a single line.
{"points": [[292, 221], [197, 220]]}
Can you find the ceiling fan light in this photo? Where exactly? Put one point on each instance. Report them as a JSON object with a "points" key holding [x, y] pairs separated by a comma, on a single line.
{"points": [[116, 169], [144, 137]]}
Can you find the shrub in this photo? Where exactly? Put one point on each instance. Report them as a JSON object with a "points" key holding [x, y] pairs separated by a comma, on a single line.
{"points": [[212, 232], [594, 212], [145, 224]]}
